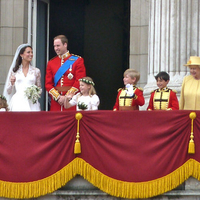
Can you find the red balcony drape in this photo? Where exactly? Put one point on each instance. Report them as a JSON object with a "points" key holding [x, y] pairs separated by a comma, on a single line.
{"points": [[129, 154]]}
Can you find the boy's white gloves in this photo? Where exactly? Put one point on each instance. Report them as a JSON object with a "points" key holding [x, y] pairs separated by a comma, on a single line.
{"points": [[129, 89]]}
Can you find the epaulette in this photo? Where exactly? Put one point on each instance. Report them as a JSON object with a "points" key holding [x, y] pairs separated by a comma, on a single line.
{"points": [[174, 91], [152, 91], [140, 88], [53, 58], [75, 55], [119, 89]]}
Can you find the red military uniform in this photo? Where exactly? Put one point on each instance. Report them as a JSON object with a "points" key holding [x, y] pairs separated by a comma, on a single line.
{"points": [[68, 82], [127, 102], [163, 99]]}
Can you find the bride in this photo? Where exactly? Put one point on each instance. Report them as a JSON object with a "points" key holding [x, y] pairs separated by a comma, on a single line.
{"points": [[21, 76]]}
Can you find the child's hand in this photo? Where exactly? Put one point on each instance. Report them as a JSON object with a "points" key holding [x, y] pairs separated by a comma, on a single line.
{"points": [[128, 86], [69, 96], [129, 89]]}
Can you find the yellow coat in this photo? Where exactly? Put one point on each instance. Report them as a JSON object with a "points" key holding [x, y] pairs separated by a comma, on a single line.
{"points": [[190, 94]]}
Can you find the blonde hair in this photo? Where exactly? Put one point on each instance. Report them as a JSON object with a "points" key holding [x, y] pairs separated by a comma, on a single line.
{"points": [[3, 102], [133, 74], [90, 82]]}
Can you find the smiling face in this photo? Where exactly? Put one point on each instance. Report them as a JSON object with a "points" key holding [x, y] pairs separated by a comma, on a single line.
{"points": [[161, 83], [59, 47], [128, 80], [195, 71], [27, 55], [84, 88]]}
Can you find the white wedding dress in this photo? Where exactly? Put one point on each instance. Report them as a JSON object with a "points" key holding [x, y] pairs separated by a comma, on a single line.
{"points": [[19, 102]]}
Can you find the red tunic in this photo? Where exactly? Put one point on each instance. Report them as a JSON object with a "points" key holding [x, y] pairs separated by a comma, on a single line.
{"points": [[135, 102], [161, 102], [78, 71]]}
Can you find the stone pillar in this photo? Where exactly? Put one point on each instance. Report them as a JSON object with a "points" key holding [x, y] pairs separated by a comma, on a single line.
{"points": [[174, 28], [13, 32], [139, 24]]}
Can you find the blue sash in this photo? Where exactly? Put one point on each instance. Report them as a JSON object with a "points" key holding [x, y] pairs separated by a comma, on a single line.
{"points": [[63, 68]]}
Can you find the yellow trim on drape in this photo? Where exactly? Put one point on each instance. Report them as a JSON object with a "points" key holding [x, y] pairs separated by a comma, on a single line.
{"points": [[147, 189], [109, 185]]}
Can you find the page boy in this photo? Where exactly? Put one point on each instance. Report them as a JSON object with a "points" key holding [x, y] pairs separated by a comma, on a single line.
{"points": [[163, 98], [130, 97]]}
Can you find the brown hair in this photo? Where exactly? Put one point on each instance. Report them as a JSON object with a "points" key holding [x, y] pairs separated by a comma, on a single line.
{"points": [[133, 74], [19, 58], [63, 38], [3, 102]]}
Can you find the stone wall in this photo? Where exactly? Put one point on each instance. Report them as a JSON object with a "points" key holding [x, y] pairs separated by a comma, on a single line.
{"points": [[13, 32], [139, 25]]}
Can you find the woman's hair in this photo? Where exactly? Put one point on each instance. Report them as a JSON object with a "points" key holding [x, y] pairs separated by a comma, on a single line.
{"points": [[3, 102], [89, 81], [133, 74], [63, 38], [19, 58]]}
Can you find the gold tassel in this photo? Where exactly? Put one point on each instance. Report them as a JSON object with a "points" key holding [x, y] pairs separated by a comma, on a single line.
{"points": [[191, 147], [77, 146]]}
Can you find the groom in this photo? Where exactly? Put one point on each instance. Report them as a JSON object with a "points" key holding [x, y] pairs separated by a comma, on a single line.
{"points": [[63, 73]]}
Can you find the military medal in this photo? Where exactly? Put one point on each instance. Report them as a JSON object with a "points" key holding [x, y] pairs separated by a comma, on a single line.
{"points": [[70, 75]]}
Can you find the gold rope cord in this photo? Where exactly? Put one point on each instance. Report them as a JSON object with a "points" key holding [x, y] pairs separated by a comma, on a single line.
{"points": [[77, 146], [191, 146]]}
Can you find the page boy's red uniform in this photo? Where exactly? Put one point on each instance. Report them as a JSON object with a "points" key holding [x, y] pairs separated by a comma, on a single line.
{"points": [[127, 102], [163, 99]]}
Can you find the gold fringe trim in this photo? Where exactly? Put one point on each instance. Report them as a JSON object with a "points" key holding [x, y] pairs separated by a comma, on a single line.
{"points": [[109, 185], [23, 190], [131, 190]]}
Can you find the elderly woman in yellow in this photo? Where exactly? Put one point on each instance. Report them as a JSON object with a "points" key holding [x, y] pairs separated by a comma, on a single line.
{"points": [[190, 92]]}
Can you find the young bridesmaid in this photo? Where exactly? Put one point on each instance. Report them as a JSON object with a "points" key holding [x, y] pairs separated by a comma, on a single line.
{"points": [[3, 103], [86, 99]]}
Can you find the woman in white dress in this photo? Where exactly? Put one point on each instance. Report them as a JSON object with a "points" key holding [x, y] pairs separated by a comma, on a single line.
{"points": [[21, 76], [86, 99]]}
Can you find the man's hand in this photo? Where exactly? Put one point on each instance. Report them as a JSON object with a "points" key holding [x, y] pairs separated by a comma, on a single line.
{"points": [[61, 100]]}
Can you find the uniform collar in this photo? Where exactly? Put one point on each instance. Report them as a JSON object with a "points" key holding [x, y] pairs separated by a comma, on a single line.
{"points": [[163, 89], [64, 55]]}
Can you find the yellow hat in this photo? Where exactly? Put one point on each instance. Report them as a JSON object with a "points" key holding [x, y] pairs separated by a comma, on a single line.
{"points": [[194, 60]]}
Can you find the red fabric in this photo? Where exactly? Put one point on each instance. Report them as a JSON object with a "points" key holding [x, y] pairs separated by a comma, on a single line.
{"points": [[139, 101], [35, 145], [78, 71], [128, 145], [173, 101]]}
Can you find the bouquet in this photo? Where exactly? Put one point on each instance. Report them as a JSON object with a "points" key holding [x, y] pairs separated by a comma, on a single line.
{"points": [[82, 106], [33, 93]]}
